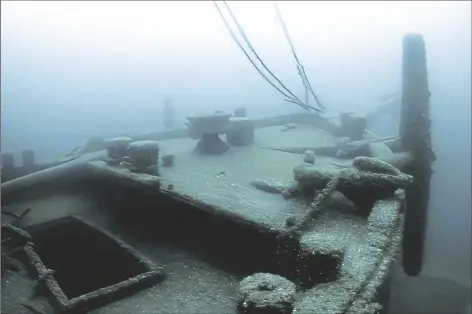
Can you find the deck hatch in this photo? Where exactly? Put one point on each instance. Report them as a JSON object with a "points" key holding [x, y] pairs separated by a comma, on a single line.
{"points": [[90, 267]]}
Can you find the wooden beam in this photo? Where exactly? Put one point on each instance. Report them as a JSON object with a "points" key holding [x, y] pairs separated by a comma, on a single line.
{"points": [[415, 137]]}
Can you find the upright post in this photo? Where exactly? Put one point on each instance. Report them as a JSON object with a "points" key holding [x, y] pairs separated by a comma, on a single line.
{"points": [[415, 137], [169, 115]]}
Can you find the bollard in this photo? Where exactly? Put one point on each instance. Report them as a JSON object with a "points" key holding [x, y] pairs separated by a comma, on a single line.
{"points": [[117, 148], [353, 126], [240, 112], [241, 132]]}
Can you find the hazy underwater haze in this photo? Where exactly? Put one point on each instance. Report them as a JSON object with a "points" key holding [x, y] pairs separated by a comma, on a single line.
{"points": [[71, 70]]}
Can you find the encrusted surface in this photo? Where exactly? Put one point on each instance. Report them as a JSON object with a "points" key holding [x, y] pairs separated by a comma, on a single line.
{"points": [[362, 241], [364, 301], [194, 284], [329, 298], [211, 286], [334, 231], [363, 268], [267, 291], [224, 181]]}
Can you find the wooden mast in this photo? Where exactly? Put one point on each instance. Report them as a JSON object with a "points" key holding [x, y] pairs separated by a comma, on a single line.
{"points": [[415, 135]]}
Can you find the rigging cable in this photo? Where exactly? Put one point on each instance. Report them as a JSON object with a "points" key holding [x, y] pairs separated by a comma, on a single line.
{"points": [[292, 98], [301, 69], [244, 36]]}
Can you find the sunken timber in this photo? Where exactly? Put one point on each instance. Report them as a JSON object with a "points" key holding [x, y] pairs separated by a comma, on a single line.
{"points": [[187, 222]]}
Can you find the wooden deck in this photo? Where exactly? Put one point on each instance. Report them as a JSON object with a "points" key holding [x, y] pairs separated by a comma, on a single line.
{"points": [[222, 183]]}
